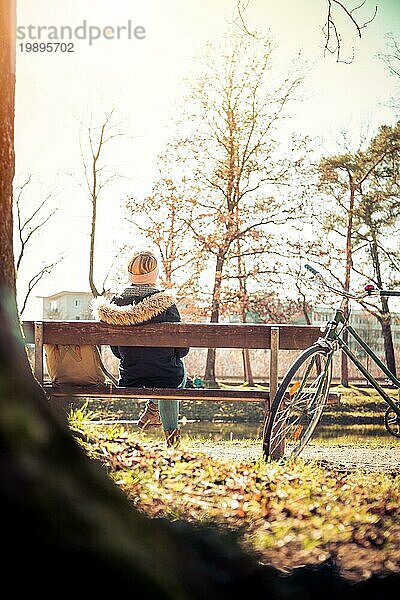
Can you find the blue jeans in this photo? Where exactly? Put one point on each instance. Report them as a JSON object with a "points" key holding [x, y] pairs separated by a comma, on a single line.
{"points": [[169, 409]]}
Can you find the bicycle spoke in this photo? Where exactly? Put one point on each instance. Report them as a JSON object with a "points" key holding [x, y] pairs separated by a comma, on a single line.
{"points": [[283, 427]]}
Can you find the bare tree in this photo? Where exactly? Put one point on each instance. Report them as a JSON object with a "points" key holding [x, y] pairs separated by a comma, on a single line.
{"points": [[97, 178], [341, 179], [29, 224], [32, 283], [242, 276]]}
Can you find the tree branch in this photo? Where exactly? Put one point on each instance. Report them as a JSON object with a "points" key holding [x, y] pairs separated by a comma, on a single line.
{"points": [[331, 32], [35, 280]]}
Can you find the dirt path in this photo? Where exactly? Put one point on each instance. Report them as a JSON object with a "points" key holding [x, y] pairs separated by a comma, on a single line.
{"points": [[385, 459]]}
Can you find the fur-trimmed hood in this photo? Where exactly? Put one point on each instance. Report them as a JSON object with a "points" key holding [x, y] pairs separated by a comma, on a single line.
{"points": [[132, 314]]}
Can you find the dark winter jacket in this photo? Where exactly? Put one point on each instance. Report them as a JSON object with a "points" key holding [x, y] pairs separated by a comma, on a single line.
{"points": [[144, 366]]}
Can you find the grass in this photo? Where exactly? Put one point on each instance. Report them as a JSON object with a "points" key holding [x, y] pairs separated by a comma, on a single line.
{"points": [[358, 407], [357, 441], [363, 398]]}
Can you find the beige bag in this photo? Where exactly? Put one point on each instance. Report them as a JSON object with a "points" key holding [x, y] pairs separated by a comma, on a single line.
{"points": [[76, 365]]}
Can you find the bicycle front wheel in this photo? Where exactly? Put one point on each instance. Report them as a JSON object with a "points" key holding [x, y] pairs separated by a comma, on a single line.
{"points": [[298, 404]]}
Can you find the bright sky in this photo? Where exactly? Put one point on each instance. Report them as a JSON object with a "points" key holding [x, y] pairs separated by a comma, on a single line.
{"points": [[143, 79]]}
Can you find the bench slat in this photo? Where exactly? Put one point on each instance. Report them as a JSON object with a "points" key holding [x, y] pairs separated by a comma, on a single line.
{"points": [[194, 335], [106, 391]]}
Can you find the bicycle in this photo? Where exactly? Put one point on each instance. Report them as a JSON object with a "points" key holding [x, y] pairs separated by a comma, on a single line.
{"points": [[303, 392]]}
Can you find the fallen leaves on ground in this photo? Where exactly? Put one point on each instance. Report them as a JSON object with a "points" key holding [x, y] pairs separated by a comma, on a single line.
{"points": [[290, 515]]}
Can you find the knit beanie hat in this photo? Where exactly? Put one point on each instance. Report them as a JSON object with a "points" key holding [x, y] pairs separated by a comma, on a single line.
{"points": [[143, 268]]}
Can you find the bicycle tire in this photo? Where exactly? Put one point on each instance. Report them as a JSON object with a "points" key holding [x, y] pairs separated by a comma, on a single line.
{"points": [[392, 422], [298, 404]]}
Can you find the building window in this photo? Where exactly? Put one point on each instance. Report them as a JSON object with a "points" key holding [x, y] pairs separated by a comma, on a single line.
{"points": [[53, 304], [77, 303]]}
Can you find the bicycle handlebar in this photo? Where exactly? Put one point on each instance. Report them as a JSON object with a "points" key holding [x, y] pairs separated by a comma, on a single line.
{"points": [[367, 292], [330, 287], [310, 268], [388, 293]]}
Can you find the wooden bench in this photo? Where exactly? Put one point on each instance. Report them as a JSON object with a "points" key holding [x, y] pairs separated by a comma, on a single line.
{"points": [[194, 335]]}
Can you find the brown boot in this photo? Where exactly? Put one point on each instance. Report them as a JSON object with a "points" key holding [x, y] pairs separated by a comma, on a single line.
{"points": [[173, 437], [150, 416]]}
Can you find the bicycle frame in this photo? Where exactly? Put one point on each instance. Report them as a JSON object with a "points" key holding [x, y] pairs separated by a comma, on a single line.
{"points": [[332, 336]]}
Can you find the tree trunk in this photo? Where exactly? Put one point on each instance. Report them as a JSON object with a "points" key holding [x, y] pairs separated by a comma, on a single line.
{"points": [[385, 319], [349, 264], [248, 372], [209, 375], [92, 285], [344, 376], [386, 325], [305, 310], [244, 301], [7, 101]]}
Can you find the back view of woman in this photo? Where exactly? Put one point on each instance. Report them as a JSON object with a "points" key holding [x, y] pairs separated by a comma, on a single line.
{"points": [[143, 302]]}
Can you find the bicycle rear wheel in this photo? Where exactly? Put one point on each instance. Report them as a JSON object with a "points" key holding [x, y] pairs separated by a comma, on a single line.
{"points": [[298, 404]]}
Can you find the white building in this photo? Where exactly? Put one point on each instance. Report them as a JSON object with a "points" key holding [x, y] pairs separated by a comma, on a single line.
{"points": [[67, 306]]}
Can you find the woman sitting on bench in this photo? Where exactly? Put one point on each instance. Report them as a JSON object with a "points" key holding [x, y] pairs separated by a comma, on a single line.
{"points": [[143, 302]]}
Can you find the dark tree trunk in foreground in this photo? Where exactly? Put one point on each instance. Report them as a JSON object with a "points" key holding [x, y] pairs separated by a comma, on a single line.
{"points": [[7, 101]]}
